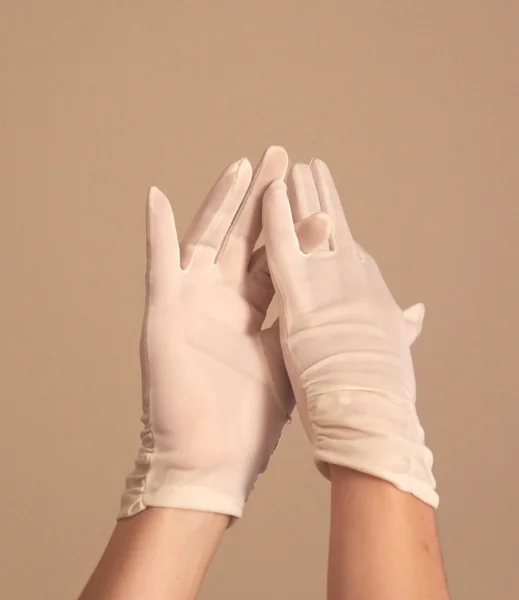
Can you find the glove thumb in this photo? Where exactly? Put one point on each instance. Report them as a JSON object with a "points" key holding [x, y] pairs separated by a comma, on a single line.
{"points": [[414, 317]]}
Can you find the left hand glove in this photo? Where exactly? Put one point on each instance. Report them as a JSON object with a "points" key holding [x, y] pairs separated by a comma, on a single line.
{"points": [[215, 392]]}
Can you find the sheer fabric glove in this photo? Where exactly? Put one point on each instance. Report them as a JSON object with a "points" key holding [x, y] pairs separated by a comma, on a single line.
{"points": [[214, 388], [345, 341]]}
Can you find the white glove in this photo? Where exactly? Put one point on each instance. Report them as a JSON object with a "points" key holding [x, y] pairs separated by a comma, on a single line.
{"points": [[215, 392], [345, 341]]}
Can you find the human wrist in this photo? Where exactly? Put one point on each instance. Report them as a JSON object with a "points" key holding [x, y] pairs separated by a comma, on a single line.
{"points": [[404, 466], [352, 473]]}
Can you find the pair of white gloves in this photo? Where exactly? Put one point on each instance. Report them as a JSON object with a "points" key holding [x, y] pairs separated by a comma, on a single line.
{"points": [[218, 389]]}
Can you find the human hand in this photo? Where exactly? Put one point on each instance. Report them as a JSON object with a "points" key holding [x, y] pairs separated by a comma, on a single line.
{"points": [[215, 391], [345, 341]]}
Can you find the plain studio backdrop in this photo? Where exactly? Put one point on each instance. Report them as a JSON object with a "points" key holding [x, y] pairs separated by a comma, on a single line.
{"points": [[414, 106]]}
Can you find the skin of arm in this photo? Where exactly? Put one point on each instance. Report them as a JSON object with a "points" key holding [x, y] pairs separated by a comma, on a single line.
{"points": [[383, 542], [158, 554]]}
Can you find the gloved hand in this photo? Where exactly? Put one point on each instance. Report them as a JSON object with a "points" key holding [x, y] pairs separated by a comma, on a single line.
{"points": [[215, 392], [345, 341]]}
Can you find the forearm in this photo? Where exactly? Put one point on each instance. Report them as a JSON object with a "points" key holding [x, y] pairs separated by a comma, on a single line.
{"points": [[383, 542], [159, 554]]}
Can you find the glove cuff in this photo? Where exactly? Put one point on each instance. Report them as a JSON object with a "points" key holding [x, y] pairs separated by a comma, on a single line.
{"points": [[408, 469]]}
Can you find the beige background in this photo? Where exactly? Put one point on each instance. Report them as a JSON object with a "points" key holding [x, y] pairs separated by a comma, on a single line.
{"points": [[414, 105]]}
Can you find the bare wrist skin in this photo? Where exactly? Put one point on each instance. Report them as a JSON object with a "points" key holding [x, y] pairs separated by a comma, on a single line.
{"points": [[158, 554], [383, 542]]}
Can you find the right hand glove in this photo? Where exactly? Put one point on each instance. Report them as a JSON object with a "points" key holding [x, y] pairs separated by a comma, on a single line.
{"points": [[345, 341]]}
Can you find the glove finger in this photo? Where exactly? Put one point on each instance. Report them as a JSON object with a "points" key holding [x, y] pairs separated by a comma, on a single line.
{"points": [[302, 192], [330, 201], [244, 231], [163, 259], [281, 240], [311, 233], [303, 195], [208, 230], [414, 317]]}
